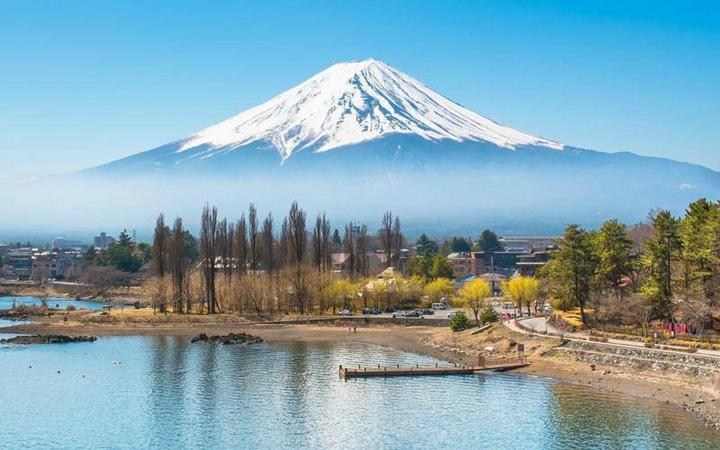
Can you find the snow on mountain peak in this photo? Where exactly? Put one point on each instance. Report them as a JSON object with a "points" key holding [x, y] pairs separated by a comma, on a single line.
{"points": [[352, 102]]}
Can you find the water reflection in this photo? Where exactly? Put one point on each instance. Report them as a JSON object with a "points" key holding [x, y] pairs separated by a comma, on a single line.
{"points": [[164, 392]]}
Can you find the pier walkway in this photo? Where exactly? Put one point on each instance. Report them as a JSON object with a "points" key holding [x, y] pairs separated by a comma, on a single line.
{"points": [[498, 365]]}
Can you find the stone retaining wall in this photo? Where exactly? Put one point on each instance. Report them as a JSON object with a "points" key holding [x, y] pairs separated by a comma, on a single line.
{"points": [[641, 358]]}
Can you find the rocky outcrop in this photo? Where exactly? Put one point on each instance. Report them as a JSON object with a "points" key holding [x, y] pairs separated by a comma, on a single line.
{"points": [[47, 339], [229, 339]]}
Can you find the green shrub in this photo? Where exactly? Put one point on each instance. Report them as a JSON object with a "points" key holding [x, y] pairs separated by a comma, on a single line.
{"points": [[459, 321], [488, 315]]}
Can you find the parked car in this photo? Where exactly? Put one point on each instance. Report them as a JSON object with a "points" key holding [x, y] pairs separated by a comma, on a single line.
{"points": [[427, 312], [399, 314], [452, 314], [439, 306], [371, 311], [390, 310], [414, 313], [345, 312]]}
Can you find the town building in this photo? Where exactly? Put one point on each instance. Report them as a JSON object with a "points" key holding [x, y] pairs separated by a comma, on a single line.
{"points": [[103, 241], [467, 264], [340, 263], [529, 264], [47, 266], [527, 244], [19, 263], [63, 244]]}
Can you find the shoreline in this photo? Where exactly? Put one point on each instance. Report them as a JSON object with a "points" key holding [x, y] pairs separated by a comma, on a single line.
{"points": [[697, 400]]}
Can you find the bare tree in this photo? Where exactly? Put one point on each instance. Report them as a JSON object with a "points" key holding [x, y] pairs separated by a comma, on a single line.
{"points": [[386, 237], [267, 242], [397, 243], [361, 249], [253, 237], [240, 250], [208, 255], [326, 244], [349, 248], [159, 259], [297, 246], [178, 266]]}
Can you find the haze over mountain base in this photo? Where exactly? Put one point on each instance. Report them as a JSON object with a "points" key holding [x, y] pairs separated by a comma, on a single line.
{"points": [[354, 141]]}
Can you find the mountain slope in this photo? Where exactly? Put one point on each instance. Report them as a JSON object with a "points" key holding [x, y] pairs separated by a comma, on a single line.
{"points": [[361, 137], [347, 104]]}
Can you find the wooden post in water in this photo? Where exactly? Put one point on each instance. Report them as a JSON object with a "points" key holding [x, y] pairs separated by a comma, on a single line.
{"points": [[521, 352]]}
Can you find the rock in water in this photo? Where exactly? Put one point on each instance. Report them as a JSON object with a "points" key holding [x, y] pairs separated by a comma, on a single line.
{"points": [[48, 339], [229, 339]]}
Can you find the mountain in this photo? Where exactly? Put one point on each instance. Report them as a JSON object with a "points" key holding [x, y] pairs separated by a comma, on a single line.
{"points": [[363, 137], [345, 105]]}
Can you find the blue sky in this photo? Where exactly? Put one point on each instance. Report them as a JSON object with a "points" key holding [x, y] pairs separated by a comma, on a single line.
{"points": [[82, 83]]}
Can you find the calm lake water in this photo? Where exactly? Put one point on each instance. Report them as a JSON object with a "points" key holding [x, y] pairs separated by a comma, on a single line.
{"points": [[62, 303], [163, 392]]}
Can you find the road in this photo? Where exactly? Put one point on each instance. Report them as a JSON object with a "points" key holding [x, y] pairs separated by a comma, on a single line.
{"points": [[538, 324]]}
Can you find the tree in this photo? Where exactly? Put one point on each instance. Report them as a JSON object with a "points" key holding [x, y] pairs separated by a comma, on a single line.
{"points": [[322, 258], [459, 244], [398, 242], [240, 244], [474, 295], [253, 240], [440, 290], [361, 252], [178, 261], [121, 255], [571, 270], [459, 321], [699, 232], [159, 247], [386, 237], [208, 255], [614, 257], [349, 248], [267, 243], [296, 235], [522, 291], [441, 267], [662, 253], [340, 293], [336, 240], [488, 242], [420, 266], [424, 246], [159, 258]]}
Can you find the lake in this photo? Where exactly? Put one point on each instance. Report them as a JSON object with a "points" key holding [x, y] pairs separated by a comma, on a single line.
{"points": [[163, 392], [52, 302]]}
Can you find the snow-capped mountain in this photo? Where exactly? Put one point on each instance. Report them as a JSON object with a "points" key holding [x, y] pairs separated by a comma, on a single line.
{"points": [[360, 137], [355, 102]]}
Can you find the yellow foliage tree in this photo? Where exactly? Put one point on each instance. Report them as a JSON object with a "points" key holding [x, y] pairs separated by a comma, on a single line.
{"points": [[440, 289], [522, 291], [474, 295], [341, 293]]}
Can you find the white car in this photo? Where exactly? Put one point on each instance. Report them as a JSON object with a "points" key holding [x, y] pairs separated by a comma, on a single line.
{"points": [[345, 312], [439, 306]]}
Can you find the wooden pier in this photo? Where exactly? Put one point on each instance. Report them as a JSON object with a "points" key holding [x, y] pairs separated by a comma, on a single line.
{"points": [[418, 370]]}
